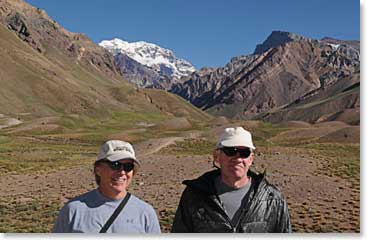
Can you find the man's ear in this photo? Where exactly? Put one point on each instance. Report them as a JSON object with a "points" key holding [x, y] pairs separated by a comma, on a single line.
{"points": [[216, 158], [96, 170], [251, 160], [216, 155]]}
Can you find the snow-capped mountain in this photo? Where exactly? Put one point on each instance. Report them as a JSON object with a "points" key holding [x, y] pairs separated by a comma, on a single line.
{"points": [[159, 59]]}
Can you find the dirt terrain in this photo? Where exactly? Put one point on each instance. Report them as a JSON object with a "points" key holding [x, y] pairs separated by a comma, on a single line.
{"points": [[319, 201]]}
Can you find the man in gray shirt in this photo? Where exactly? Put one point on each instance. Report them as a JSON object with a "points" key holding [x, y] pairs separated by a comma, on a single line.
{"points": [[114, 169]]}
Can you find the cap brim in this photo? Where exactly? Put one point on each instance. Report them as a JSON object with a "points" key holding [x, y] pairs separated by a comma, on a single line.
{"points": [[122, 156], [236, 143]]}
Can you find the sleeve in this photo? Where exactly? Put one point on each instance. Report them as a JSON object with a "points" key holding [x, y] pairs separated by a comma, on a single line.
{"points": [[182, 222], [153, 223], [284, 223], [62, 224]]}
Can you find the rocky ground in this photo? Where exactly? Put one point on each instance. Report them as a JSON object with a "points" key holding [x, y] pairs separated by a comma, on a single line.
{"points": [[318, 200]]}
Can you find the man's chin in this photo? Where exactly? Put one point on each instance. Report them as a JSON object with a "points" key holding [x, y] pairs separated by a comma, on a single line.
{"points": [[239, 174], [119, 186], [238, 169]]}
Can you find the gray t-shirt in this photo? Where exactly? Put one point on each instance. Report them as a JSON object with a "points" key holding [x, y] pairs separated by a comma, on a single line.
{"points": [[232, 198], [89, 212]]}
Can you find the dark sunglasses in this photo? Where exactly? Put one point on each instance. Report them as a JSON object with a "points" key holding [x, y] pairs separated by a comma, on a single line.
{"points": [[127, 167], [232, 151]]}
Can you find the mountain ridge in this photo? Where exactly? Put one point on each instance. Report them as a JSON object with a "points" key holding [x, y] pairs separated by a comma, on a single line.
{"points": [[283, 71], [288, 71]]}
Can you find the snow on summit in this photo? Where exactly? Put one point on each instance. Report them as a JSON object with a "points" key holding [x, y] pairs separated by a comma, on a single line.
{"points": [[160, 59]]}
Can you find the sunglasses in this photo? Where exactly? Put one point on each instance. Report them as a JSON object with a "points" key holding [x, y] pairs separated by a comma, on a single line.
{"points": [[232, 151], [127, 167]]}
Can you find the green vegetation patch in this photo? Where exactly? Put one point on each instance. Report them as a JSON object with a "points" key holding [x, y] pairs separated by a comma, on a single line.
{"points": [[79, 122], [27, 215], [4, 139], [264, 132], [113, 121], [336, 159], [22, 155], [191, 147], [95, 131], [131, 118], [340, 159], [39, 153]]}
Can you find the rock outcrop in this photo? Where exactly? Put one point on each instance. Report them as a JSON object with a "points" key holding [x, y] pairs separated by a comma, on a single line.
{"points": [[44, 34], [288, 70]]}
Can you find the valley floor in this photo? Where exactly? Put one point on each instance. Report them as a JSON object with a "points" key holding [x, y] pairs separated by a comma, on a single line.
{"points": [[323, 194]]}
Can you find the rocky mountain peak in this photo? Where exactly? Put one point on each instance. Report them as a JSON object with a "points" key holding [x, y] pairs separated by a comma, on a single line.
{"points": [[297, 71], [275, 39]]}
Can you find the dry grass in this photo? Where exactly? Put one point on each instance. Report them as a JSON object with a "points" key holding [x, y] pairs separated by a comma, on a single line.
{"points": [[27, 215], [51, 156]]}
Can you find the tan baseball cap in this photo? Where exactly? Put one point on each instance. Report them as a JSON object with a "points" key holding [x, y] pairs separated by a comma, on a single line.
{"points": [[115, 150]]}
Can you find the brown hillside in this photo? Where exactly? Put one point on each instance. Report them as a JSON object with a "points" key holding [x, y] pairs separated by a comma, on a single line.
{"points": [[43, 34], [46, 71], [344, 135]]}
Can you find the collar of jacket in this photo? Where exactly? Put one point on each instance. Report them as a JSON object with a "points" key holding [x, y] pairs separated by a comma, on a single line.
{"points": [[205, 183]]}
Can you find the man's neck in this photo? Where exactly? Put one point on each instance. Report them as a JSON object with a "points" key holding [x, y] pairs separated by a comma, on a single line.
{"points": [[235, 183], [112, 195]]}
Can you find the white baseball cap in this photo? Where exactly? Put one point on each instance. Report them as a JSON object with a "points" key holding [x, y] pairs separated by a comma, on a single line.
{"points": [[115, 150], [235, 137]]}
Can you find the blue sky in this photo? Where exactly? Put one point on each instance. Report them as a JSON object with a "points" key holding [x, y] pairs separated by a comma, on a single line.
{"points": [[205, 32]]}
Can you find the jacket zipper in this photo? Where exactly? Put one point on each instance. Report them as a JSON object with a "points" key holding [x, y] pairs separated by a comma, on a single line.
{"points": [[218, 203], [246, 208]]}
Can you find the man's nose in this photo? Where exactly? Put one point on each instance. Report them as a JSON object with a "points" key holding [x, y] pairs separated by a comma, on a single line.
{"points": [[237, 157], [121, 171]]}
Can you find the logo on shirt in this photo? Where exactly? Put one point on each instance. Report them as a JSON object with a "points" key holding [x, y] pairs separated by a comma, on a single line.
{"points": [[130, 221]]}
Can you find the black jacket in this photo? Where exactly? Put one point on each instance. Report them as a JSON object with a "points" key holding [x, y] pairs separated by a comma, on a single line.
{"points": [[200, 209]]}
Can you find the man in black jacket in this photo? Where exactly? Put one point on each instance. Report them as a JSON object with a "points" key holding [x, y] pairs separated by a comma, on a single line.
{"points": [[232, 198]]}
